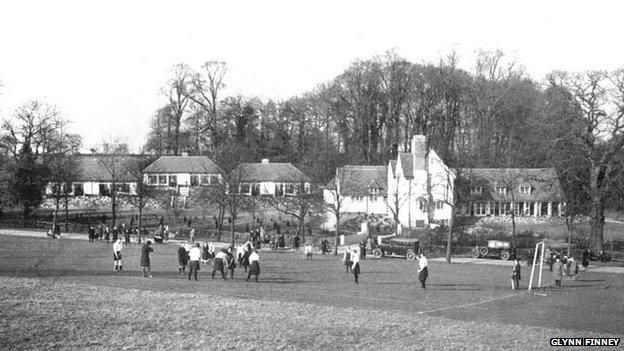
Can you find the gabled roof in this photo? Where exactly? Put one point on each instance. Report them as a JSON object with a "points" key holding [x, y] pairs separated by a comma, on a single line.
{"points": [[357, 180], [393, 167], [407, 163], [543, 182], [270, 172], [92, 169], [183, 164]]}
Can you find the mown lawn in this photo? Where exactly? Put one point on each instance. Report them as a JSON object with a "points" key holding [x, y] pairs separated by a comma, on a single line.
{"points": [[65, 294]]}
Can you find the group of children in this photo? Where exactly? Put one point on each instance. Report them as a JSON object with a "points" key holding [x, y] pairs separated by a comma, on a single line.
{"points": [[223, 260]]}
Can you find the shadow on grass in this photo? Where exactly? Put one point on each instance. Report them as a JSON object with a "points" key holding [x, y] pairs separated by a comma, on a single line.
{"points": [[591, 280]]}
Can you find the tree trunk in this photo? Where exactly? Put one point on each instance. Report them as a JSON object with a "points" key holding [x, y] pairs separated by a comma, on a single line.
{"points": [[596, 222], [232, 230], [449, 237], [568, 222], [66, 213], [301, 225], [140, 222], [596, 212], [337, 234], [25, 211], [114, 206], [57, 205]]}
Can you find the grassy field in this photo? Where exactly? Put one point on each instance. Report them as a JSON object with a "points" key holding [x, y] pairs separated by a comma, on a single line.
{"points": [[64, 294]]}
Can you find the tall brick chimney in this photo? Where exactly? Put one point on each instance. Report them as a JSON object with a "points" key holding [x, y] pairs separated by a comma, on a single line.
{"points": [[419, 151]]}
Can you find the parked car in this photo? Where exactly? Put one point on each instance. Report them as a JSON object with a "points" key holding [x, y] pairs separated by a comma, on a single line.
{"points": [[494, 249], [404, 247]]}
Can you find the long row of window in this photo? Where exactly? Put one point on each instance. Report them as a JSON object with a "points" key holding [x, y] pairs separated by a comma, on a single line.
{"points": [[104, 189], [519, 208], [171, 180], [501, 190], [371, 198]]}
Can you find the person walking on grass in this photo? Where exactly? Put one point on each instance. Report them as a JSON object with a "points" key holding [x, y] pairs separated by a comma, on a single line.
{"points": [[308, 251], [572, 268], [117, 246], [515, 276], [346, 258], [183, 257], [423, 271], [557, 271], [145, 259], [218, 264], [254, 263], [194, 257], [355, 265], [230, 261]]}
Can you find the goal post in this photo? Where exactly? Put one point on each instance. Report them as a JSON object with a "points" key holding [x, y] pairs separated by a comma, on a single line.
{"points": [[541, 245]]}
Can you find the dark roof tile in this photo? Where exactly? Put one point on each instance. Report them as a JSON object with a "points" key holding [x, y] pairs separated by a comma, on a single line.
{"points": [[183, 164]]}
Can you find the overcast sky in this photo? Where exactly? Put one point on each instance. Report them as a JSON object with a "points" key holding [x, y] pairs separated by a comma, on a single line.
{"points": [[103, 62]]}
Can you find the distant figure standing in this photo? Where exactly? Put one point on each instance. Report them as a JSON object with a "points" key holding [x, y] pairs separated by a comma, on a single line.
{"points": [[324, 245], [254, 262], [100, 232], [218, 264], [183, 258], [363, 249], [308, 251], [423, 271], [145, 259], [572, 268], [515, 276], [91, 232], [585, 259], [106, 234], [557, 272], [346, 258], [127, 232], [117, 246], [194, 257], [230, 262], [355, 265]]}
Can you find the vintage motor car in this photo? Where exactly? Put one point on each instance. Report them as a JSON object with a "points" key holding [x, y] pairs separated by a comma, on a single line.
{"points": [[402, 247], [494, 249]]}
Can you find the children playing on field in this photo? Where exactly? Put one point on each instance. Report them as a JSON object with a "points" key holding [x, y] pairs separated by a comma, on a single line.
{"points": [[308, 251]]}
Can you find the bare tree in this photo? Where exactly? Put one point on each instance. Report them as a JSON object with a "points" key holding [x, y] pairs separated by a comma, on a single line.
{"points": [[334, 202], [143, 191], [177, 92], [33, 123], [597, 129], [231, 193], [300, 205], [206, 87], [111, 156], [63, 166]]}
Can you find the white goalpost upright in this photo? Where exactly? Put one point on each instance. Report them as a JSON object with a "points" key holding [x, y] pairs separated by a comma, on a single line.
{"points": [[539, 245]]}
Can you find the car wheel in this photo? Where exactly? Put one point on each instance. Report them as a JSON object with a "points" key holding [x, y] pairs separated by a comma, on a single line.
{"points": [[483, 250], [504, 255], [377, 253], [475, 253], [410, 255]]}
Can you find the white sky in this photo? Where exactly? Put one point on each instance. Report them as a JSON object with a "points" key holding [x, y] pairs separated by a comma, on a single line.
{"points": [[103, 62]]}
